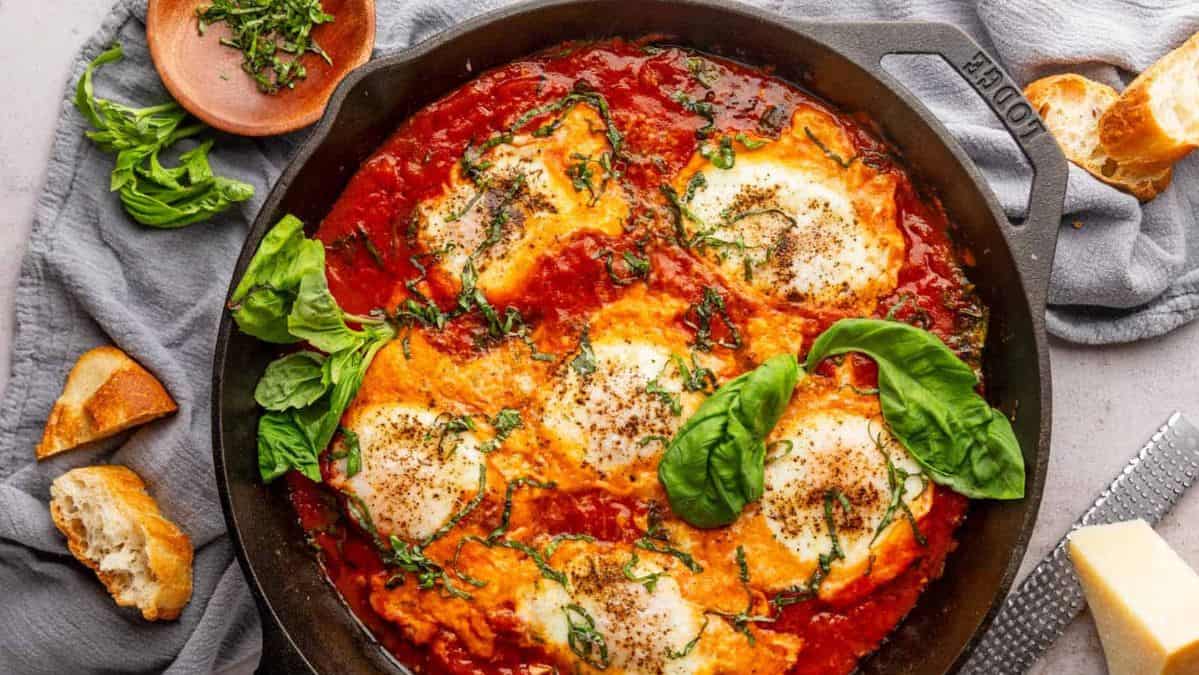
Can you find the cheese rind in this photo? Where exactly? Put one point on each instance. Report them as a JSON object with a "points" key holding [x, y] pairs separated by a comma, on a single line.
{"points": [[1143, 596]]}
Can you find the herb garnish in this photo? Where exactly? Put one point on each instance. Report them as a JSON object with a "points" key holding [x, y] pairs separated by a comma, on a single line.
{"points": [[505, 422], [811, 588], [697, 182], [931, 405], [581, 174], [690, 646], [715, 465], [695, 378], [513, 485], [844, 163], [284, 298], [657, 540], [649, 579], [698, 318], [897, 480], [585, 641], [668, 398], [701, 108], [638, 267], [742, 619], [681, 212], [352, 452], [150, 193], [272, 35], [471, 160], [584, 362], [750, 143], [500, 215], [558, 539], [722, 156]]}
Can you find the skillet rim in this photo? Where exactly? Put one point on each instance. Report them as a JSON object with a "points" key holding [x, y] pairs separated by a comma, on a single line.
{"points": [[1032, 276]]}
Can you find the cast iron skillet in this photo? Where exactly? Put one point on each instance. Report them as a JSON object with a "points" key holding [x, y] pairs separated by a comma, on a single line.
{"points": [[839, 61]]}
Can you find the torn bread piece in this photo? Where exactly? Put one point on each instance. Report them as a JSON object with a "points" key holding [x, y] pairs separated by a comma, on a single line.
{"points": [[1156, 119], [114, 527], [1071, 106], [106, 393]]}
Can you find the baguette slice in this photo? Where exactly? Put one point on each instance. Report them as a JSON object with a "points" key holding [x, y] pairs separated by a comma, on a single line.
{"points": [[114, 527], [1071, 106], [106, 393], [1157, 116]]}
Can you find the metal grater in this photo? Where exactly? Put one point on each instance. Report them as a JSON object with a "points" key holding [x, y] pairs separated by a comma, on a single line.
{"points": [[1050, 597]]}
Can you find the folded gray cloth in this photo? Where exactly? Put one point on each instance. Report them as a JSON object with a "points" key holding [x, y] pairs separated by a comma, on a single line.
{"points": [[91, 276]]}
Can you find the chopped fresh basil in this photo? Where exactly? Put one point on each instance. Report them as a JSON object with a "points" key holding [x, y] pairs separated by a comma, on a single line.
{"points": [[272, 35], [668, 398], [657, 540], [513, 485], [750, 143], [699, 318], [649, 579], [702, 108], [352, 452], [841, 161], [504, 423], [585, 641], [722, 156], [584, 362], [558, 539]]}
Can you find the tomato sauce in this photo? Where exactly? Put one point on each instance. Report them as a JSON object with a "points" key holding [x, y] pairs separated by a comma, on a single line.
{"points": [[371, 253]]}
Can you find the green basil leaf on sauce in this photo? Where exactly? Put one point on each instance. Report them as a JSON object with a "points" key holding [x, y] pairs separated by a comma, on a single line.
{"points": [[714, 465], [292, 381], [931, 405]]}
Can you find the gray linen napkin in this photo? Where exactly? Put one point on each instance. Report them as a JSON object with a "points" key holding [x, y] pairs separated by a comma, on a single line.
{"points": [[91, 276]]}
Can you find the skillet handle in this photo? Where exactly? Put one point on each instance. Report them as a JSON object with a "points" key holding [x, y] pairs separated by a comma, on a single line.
{"points": [[1033, 239]]}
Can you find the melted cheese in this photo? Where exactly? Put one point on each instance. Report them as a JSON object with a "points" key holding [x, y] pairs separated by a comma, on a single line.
{"points": [[789, 221], [531, 196], [414, 476]]}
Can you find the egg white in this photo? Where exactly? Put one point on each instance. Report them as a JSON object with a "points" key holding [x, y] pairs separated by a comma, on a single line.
{"points": [[413, 478]]}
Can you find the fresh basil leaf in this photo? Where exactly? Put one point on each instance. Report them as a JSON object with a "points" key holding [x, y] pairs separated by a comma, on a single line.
{"points": [[152, 194], [85, 97], [264, 297], [316, 317], [292, 381], [282, 446], [930, 402], [352, 454], [714, 466]]}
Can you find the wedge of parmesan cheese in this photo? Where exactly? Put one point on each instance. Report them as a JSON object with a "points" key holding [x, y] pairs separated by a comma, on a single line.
{"points": [[1143, 596]]}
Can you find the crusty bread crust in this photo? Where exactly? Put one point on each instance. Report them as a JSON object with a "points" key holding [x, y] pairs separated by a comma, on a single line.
{"points": [[105, 393], [1071, 106], [1131, 129], [168, 550]]}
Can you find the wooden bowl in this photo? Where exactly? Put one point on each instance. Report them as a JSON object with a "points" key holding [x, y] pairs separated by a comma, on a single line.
{"points": [[206, 77]]}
